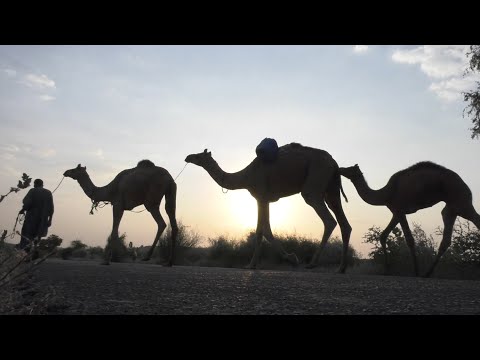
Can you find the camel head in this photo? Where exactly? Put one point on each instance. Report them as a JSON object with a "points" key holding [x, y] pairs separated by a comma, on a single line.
{"points": [[75, 173], [200, 159], [352, 172]]}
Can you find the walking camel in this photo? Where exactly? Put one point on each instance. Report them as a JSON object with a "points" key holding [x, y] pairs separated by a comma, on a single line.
{"points": [[420, 186], [312, 172], [145, 184]]}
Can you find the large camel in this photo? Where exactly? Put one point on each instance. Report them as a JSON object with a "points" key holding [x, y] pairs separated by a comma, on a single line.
{"points": [[420, 186], [312, 172], [145, 185]]}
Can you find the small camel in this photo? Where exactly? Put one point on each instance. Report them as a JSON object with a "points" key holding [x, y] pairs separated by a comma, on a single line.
{"points": [[312, 172], [420, 186], [145, 185]]}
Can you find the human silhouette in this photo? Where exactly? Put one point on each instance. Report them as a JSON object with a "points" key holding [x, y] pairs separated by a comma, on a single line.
{"points": [[38, 205]]}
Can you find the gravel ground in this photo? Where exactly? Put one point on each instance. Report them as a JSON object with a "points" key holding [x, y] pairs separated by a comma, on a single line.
{"points": [[86, 287]]}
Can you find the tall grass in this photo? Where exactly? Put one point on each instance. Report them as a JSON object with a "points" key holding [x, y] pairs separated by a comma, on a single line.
{"points": [[227, 252]]}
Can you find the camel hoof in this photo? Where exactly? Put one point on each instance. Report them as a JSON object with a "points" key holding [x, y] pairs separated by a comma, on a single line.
{"points": [[250, 267], [310, 266], [168, 264], [340, 271], [146, 259], [105, 263]]}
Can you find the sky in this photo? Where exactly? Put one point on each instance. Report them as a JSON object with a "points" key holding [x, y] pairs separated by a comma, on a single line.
{"points": [[107, 107]]}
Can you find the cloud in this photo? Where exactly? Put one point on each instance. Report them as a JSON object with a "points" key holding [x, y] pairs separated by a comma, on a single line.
{"points": [[444, 64], [47, 97], [46, 153], [451, 89], [10, 72], [359, 49], [8, 170], [38, 81], [99, 154], [9, 148]]}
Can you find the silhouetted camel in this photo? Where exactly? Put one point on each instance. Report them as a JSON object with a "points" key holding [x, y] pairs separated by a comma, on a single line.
{"points": [[145, 185], [298, 168], [420, 186]]}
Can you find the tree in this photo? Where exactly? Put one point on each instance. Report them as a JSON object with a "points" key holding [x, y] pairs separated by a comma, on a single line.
{"points": [[50, 242], [473, 97], [77, 245], [465, 244], [22, 184]]}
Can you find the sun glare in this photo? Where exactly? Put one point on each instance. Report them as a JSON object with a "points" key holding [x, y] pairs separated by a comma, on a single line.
{"points": [[244, 211]]}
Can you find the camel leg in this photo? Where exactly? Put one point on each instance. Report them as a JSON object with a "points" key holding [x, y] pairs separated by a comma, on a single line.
{"points": [[328, 220], [448, 222], [155, 212], [170, 208], [335, 203], [117, 217], [267, 231], [263, 212], [313, 192], [410, 241], [471, 215], [383, 240]]}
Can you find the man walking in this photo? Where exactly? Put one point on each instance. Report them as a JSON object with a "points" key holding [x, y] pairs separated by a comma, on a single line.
{"points": [[38, 203]]}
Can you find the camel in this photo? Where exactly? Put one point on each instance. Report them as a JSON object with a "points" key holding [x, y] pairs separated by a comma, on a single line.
{"points": [[145, 185], [420, 186], [297, 169]]}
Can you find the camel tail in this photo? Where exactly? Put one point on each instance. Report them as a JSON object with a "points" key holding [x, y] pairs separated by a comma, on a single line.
{"points": [[171, 203], [341, 187]]}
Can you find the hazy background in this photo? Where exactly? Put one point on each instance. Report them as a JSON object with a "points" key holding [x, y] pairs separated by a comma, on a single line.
{"points": [[107, 107]]}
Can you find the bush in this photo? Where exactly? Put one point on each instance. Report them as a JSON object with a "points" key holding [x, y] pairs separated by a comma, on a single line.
{"points": [[79, 253], [50, 243], [186, 241], [465, 248], [66, 253], [232, 253], [95, 252], [77, 245], [399, 257], [118, 248], [226, 252]]}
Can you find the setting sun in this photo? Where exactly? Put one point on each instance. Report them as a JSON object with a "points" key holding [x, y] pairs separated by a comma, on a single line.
{"points": [[243, 208]]}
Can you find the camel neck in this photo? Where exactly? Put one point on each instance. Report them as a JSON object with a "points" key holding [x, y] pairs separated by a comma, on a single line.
{"points": [[230, 181], [93, 192], [370, 196]]}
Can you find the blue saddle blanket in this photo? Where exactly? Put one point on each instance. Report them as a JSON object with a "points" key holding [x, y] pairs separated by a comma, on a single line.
{"points": [[267, 150]]}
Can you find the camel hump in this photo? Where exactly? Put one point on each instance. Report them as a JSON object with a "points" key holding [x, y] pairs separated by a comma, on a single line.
{"points": [[267, 150], [145, 163]]}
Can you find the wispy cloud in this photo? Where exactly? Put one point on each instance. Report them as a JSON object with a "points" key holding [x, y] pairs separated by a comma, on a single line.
{"points": [[451, 89], [47, 97], [360, 49], [10, 72], [8, 170], [445, 64], [46, 153], [38, 81], [99, 154]]}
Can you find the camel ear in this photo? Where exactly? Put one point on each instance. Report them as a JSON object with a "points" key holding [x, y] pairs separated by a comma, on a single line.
{"points": [[84, 168], [356, 165], [209, 153], [78, 166], [205, 151]]}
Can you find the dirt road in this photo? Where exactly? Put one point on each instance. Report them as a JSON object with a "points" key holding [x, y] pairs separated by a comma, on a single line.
{"points": [[86, 287]]}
